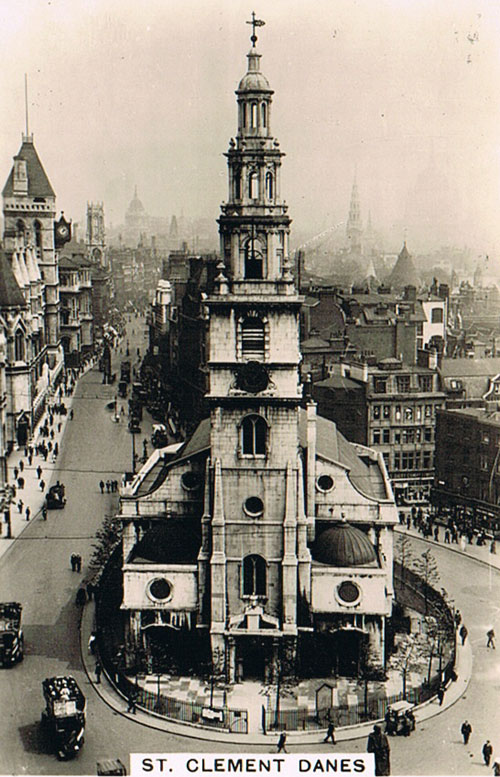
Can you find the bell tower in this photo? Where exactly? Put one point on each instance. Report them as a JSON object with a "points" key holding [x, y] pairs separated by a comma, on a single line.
{"points": [[255, 508]]}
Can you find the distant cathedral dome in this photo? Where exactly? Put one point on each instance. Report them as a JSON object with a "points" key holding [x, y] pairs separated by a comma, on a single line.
{"points": [[343, 546], [136, 207]]}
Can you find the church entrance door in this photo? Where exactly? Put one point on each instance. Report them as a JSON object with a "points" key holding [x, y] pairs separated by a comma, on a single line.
{"points": [[253, 656], [347, 648]]}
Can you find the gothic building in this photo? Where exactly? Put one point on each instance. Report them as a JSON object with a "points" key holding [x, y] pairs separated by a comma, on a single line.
{"points": [[29, 241], [264, 544], [100, 270]]}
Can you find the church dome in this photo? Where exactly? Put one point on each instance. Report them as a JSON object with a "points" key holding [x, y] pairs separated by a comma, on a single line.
{"points": [[253, 80], [136, 205], [343, 546]]}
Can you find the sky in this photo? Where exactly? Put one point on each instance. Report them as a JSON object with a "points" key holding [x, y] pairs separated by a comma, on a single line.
{"points": [[402, 94]]}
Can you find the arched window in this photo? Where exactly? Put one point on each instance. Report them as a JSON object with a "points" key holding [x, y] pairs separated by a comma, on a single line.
{"points": [[19, 347], [254, 265], [253, 185], [38, 234], [437, 316], [269, 186], [263, 114], [244, 114], [237, 184], [253, 341], [253, 436], [20, 228], [254, 576], [253, 115]]}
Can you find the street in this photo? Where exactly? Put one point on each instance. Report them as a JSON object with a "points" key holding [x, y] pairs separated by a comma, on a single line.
{"points": [[36, 571]]}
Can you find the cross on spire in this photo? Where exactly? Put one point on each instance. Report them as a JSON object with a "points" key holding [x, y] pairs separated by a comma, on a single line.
{"points": [[255, 23]]}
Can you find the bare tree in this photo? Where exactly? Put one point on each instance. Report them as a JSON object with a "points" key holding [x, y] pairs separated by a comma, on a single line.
{"points": [[426, 568]]}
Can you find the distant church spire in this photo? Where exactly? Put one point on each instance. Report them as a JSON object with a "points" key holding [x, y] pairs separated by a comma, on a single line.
{"points": [[354, 229]]}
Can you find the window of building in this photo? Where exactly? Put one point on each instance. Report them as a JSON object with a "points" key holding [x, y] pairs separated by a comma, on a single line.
{"points": [[408, 435], [385, 456], [325, 483], [253, 115], [425, 382], [428, 434], [253, 341], [408, 414], [253, 436], [376, 412], [387, 411], [437, 315], [263, 114], [427, 459], [254, 576], [253, 506], [38, 234], [376, 436], [397, 461], [397, 413], [428, 411], [418, 412], [244, 114], [486, 437], [386, 436], [397, 438], [269, 186], [19, 347], [403, 383], [380, 385], [237, 184], [253, 185], [417, 459], [407, 460], [418, 435], [254, 265]]}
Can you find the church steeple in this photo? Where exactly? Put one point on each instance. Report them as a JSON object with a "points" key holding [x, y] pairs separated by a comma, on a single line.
{"points": [[257, 250], [354, 229]]}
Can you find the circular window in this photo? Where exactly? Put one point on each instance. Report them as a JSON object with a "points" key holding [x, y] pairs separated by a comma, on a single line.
{"points": [[190, 481], [253, 506], [159, 589], [348, 592], [325, 483]]}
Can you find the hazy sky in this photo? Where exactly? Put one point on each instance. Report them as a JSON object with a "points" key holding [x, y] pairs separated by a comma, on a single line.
{"points": [[126, 92]]}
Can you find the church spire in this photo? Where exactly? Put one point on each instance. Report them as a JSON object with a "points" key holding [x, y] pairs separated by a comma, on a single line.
{"points": [[354, 229]]}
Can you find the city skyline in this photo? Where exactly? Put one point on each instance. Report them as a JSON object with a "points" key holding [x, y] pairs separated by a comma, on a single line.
{"points": [[402, 95]]}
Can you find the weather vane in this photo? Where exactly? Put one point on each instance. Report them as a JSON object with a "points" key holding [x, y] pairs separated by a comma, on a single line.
{"points": [[255, 23]]}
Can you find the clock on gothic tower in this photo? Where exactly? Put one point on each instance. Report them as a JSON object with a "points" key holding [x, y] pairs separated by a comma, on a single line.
{"points": [[252, 376], [62, 231]]}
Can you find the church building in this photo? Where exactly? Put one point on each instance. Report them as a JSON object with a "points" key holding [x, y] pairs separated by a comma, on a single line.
{"points": [[264, 544]]}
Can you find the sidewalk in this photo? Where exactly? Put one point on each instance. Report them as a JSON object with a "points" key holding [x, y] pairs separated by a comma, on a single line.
{"points": [[116, 701], [30, 494], [479, 553]]}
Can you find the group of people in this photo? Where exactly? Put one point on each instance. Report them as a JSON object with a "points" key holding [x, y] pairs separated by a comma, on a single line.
{"points": [[76, 562], [431, 527], [401, 724], [111, 486]]}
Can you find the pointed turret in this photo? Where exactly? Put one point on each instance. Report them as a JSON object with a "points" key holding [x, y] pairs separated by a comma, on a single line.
{"points": [[354, 228], [404, 272]]}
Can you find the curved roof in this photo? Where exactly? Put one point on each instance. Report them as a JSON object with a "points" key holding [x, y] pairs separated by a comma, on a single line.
{"points": [[171, 541], [343, 546], [253, 80]]}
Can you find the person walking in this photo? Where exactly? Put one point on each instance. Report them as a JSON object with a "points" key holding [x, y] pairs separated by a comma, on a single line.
{"points": [[16, 473], [98, 672], [39, 472], [487, 752], [42, 485], [101, 486], [463, 633], [496, 768], [491, 639], [378, 744], [73, 562], [20, 482], [131, 703], [78, 563], [330, 734], [108, 486], [440, 693], [71, 414], [282, 743], [466, 731], [27, 513], [21, 465], [44, 512], [20, 506]]}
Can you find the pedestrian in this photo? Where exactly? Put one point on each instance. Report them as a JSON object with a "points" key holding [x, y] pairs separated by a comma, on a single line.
{"points": [[81, 597], [493, 547], [487, 752], [92, 643], [447, 536], [131, 703], [90, 591], [282, 743], [30, 458], [496, 769], [44, 512], [378, 744], [73, 562], [21, 465], [436, 533], [27, 513], [491, 639], [78, 563], [42, 485], [20, 506], [101, 486], [16, 473], [98, 671], [71, 414], [458, 619], [463, 633], [330, 734], [108, 486], [466, 731], [20, 482], [39, 472], [440, 693]]}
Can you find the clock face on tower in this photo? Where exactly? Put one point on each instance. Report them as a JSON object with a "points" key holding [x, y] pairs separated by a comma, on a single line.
{"points": [[252, 377]]}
